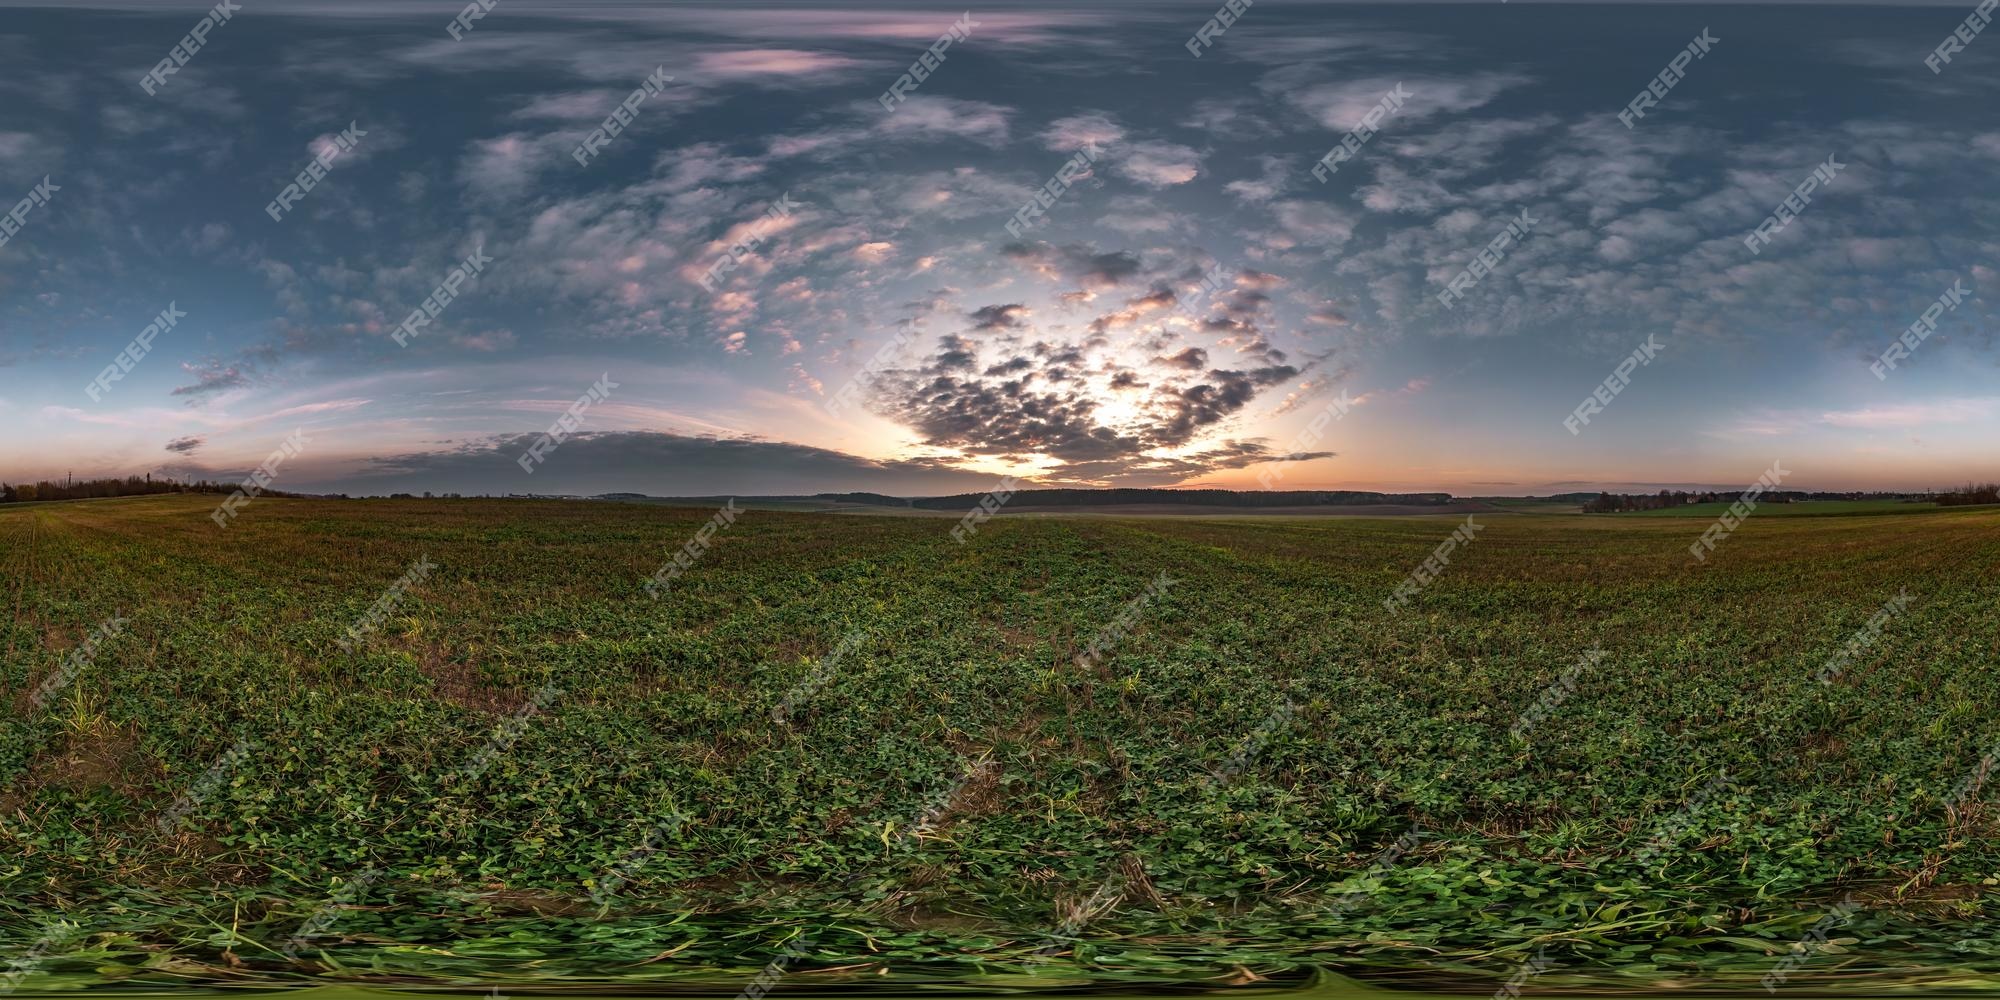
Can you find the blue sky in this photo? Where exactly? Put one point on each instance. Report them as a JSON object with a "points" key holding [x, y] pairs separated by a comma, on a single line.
{"points": [[1083, 351]]}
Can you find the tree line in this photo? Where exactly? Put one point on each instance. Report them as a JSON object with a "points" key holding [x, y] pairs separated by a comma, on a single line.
{"points": [[90, 489], [1605, 503], [1970, 493]]}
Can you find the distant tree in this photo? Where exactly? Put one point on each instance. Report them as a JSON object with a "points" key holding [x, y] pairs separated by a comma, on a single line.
{"points": [[1970, 493], [24, 492]]}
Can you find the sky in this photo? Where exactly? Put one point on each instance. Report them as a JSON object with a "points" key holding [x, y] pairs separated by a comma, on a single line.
{"points": [[1193, 307]]}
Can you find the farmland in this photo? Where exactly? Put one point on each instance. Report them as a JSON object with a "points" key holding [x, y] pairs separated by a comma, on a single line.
{"points": [[852, 745]]}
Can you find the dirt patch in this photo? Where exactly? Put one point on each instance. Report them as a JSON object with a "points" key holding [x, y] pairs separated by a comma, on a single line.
{"points": [[1017, 638], [464, 685], [104, 757], [980, 794], [928, 917]]}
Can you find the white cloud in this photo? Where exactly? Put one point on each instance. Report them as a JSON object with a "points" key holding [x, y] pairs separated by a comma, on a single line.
{"points": [[1157, 164]]}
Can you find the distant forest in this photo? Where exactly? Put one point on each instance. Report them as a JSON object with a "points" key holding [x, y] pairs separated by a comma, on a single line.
{"points": [[90, 489], [1612, 502], [1971, 493], [1108, 498]]}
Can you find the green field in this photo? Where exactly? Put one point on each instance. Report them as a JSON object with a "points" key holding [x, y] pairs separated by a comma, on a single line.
{"points": [[957, 796]]}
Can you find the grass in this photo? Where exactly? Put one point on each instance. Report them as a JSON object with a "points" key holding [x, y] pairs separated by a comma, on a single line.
{"points": [[957, 797]]}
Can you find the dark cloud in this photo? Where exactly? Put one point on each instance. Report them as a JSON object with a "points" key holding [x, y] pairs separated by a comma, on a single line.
{"points": [[1001, 317], [1043, 403], [1192, 409], [186, 445], [211, 377], [1076, 263], [657, 463]]}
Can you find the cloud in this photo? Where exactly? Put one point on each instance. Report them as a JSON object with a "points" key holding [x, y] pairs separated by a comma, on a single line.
{"points": [[211, 377], [1928, 414], [186, 445], [1076, 263], [1157, 164], [505, 166], [999, 317], [1339, 106], [746, 64], [658, 463], [923, 118], [1092, 129]]}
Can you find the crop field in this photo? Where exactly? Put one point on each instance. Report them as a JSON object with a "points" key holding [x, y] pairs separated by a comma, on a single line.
{"points": [[1070, 748]]}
